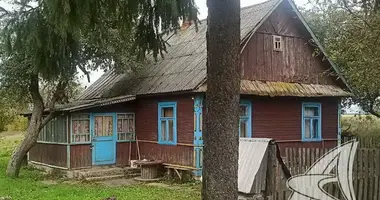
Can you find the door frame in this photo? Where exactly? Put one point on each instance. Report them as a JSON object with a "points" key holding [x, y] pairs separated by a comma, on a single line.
{"points": [[114, 136]]}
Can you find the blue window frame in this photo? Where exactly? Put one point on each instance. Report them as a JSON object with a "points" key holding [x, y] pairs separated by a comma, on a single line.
{"points": [[311, 122], [245, 120], [125, 127], [167, 123]]}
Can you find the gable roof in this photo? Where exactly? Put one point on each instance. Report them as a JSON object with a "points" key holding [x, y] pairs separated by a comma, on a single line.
{"points": [[184, 66]]}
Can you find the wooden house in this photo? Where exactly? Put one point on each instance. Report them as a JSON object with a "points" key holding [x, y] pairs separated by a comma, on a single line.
{"points": [[290, 91]]}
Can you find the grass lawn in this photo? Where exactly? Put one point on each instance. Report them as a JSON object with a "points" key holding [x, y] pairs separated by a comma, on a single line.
{"points": [[28, 186]]}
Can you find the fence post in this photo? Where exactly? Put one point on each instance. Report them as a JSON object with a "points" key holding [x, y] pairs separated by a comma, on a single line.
{"points": [[270, 181]]}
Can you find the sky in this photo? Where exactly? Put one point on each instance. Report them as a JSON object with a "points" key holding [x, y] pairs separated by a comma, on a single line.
{"points": [[201, 4]]}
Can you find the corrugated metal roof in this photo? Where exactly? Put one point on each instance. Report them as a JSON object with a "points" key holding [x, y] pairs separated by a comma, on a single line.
{"points": [[253, 155], [267, 88], [184, 65]]}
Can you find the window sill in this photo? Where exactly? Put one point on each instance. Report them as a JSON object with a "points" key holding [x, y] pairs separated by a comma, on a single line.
{"points": [[81, 143], [167, 143], [121, 141], [312, 140]]}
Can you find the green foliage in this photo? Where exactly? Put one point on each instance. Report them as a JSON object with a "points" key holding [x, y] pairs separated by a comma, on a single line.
{"points": [[19, 123], [361, 125], [29, 186], [350, 31]]}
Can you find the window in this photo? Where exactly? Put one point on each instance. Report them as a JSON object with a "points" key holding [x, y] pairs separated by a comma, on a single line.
{"points": [[167, 123], [245, 119], [55, 131], [311, 122], [80, 128], [277, 43], [126, 127]]}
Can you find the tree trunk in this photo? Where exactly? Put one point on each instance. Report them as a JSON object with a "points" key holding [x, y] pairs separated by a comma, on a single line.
{"points": [[34, 128], [26, 144], [221, 137]]}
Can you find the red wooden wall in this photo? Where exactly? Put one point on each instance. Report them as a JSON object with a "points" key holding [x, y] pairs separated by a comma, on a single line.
{"points": [[295, 63], [122, 153], [52, 154], [80, 156], [147, 130], [280, 119]]}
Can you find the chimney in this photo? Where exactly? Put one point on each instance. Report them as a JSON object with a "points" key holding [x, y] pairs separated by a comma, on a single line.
{"points": [[185, 25]]}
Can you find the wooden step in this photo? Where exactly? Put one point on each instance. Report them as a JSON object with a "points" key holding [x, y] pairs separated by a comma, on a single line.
{"points": [[102, 178], [102, 172]]}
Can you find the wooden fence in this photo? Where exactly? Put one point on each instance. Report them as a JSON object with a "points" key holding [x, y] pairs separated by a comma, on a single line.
{"points": [[366, 172], [366, 141]]}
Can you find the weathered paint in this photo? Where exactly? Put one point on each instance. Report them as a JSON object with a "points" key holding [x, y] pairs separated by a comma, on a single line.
{"points": [[71, 128], [159, 124], [147, 130], [104, 147], [248, 103], [339, 125], [80, 156], [198, 112], [198, 139], [295, 63], [314, 105], [281, 118], [123, 153], [52, 154]]}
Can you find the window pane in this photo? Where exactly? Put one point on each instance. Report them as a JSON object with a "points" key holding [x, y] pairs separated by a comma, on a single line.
{"points": [[131, 125], [311, 111], [167, 112], [315, 128], [243, 128], [119, 125], [307, 129], [200, 122], [98, 126], [125, 126], [171, 130], [163, 130], [108, 126], [201, 157], [243, 111], [195, 121]]}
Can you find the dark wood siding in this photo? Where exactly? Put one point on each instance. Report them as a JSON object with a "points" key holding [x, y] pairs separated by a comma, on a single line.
{"points": [[80, 156], [147, 131], [280, 119], [52, 154], [122, 153], [179, 155], [295, 63]]}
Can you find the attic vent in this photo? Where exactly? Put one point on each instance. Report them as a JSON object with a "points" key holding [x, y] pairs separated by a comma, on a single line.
{"points": [[277, 43]]}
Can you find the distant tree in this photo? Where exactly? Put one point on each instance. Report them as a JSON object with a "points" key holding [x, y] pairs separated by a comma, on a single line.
{"points": [[350, 31], [46, 42]]}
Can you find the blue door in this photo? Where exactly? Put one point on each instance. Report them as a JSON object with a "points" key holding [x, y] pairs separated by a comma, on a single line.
{"points": [[104, 139]]}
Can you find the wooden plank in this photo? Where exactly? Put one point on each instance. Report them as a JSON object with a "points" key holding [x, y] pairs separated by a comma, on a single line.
{"points": [[360, 189], [366, 162], [271, 171], [356, 185], [308, 158], [376, 192], [292, 160], [304, 165]]}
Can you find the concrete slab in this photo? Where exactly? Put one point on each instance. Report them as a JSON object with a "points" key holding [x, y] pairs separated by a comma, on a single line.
{"points": [[118, 182]]}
